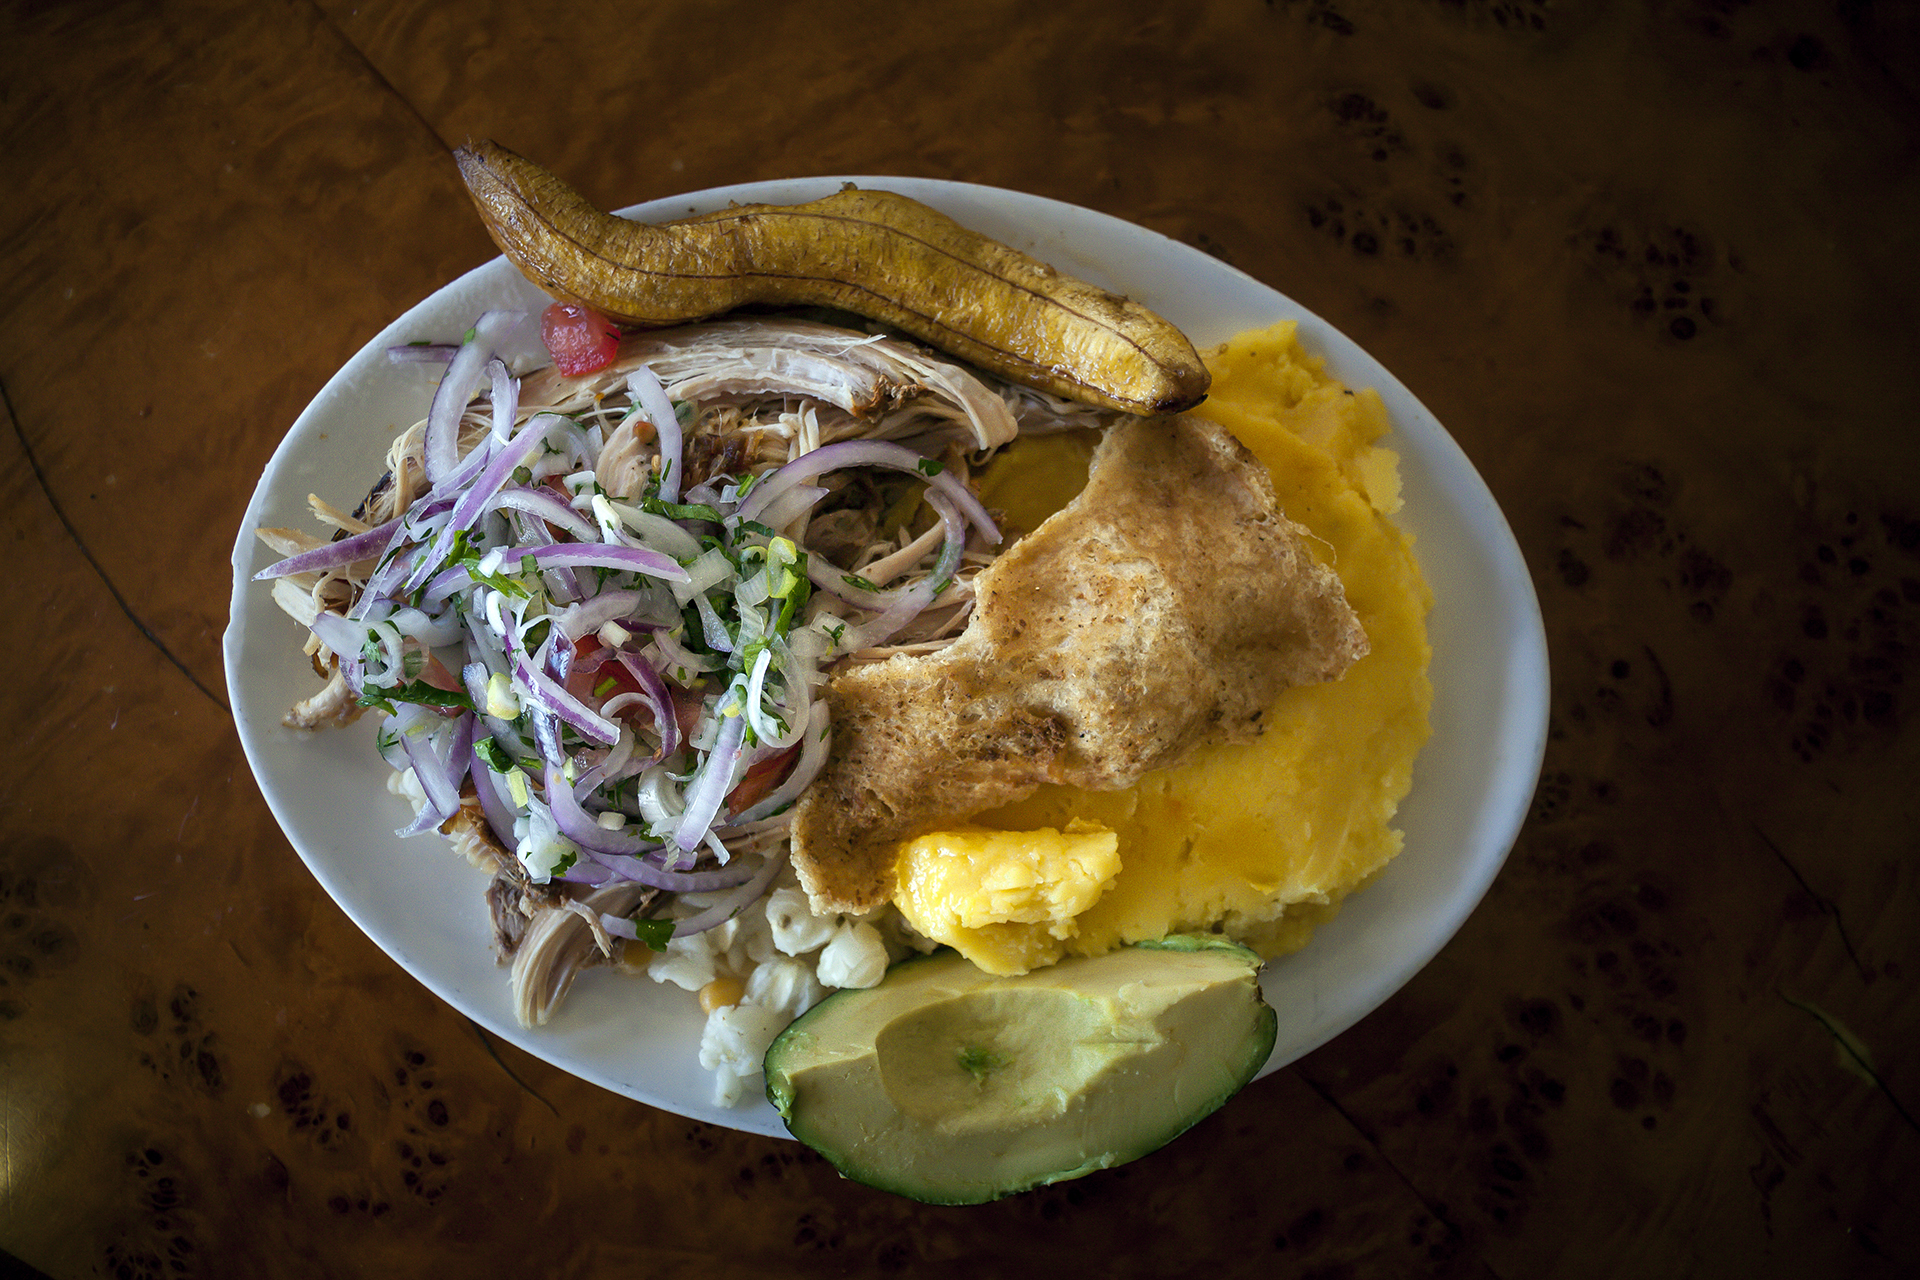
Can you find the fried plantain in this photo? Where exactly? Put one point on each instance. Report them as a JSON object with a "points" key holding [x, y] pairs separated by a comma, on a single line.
{"points": [[874, 253]]}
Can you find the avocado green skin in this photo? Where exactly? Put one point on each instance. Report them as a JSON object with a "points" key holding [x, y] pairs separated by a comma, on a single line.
{"points": [[1239, 1044]]}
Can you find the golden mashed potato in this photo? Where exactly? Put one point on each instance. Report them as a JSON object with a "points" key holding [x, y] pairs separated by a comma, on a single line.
{"points": [[1007, 900], [1265, 838]]}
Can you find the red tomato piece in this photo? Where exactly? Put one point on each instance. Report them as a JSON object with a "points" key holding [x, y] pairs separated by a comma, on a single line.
{"points": [[437, 674], [760, 779], [580, 339], [586, 681]]}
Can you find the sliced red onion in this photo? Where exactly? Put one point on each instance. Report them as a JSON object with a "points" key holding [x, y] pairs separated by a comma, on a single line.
{"points": [[493, 802], [555, 657], [791, 505], [412, 721], [736, 902], [562, 587], [473, 502], [643, 384], [579, 826], [646, 873], [446, 584], [396, 566], [712, 493], [422, 352], [619, 848], [623, 759], [544, 693], [915, 597], [440, 775], [433, 632], [548, 506], [832, 579], [764, 728], [711, 784], [344, 638], [398, 560], [713, 626], [585, 871], [710, 570], [814, 746], [456, 389], [474, 678], [600, 555], [546, 733], [595, 612], [650, 530], [386, 655], [339, 634], [335, 555], [506, 398], [659, 698], [678, 655], [866, 453], [456, 480], [506, 407]]}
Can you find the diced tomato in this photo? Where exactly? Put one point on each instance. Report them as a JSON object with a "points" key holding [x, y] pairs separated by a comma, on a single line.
{"points": [[585, 680], [759, 779], [581, 339], [586, 684], [437, 674], [686, 708]]}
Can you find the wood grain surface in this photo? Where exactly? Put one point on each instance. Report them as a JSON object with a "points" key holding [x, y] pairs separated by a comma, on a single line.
{"points": [[1652, 263]]}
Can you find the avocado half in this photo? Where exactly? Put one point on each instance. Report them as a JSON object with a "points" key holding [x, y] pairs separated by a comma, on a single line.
{"points": [[952, 1086]]}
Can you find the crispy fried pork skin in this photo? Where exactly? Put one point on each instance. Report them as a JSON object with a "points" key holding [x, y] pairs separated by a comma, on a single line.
{"points": [[1166, 606]]}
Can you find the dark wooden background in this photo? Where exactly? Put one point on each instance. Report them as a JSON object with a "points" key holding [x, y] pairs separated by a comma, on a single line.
{"points": [[1654, 264]]}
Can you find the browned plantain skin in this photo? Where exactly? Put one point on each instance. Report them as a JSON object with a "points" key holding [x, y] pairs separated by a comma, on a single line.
{"points": [[874, 253]]}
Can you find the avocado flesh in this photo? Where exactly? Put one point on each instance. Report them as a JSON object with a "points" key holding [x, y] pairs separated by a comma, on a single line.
{"points": [[953, 1086]]}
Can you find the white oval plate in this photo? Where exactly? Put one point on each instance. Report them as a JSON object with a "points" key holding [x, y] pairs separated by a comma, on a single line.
{"points": [[424, 907]]}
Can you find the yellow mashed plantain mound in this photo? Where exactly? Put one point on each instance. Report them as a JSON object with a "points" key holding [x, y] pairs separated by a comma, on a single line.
{"points": [[1265, 838]]}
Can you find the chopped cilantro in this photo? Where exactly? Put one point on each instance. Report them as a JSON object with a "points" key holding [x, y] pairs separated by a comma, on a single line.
{"points": [[653, 506], [419, 692], [655, 933], [494, 754], [754, 526]]}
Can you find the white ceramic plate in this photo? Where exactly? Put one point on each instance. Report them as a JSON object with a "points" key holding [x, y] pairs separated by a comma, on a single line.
{"points": [[424, 905]]}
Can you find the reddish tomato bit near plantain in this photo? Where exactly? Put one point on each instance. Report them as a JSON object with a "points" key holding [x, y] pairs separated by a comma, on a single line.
{"points": [[580, 339]]}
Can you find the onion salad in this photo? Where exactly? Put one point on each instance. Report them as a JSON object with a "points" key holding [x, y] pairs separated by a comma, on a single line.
{"points": [[593, 613]]}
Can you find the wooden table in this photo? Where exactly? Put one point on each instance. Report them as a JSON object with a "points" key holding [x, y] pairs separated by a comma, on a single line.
{"points": [[1653, 265]]}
